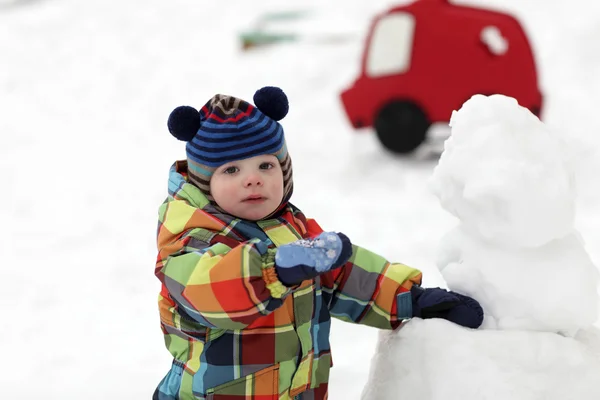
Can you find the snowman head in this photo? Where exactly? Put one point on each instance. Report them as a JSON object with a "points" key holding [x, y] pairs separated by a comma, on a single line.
{"points": [[505, 175]]}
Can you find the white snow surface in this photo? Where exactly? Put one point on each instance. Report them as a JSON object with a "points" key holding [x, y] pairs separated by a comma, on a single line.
{"points": [[437, 360], [85, 91]]}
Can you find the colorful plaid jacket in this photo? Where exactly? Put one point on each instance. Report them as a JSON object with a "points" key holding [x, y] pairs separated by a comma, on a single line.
{"points": [[235, 332]]}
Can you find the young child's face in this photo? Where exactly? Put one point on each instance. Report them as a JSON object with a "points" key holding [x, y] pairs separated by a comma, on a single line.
{"points": [[249, 189]]}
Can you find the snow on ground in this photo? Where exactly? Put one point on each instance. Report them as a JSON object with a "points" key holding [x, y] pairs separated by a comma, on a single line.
{"points": [[85, 90], [452, 363]]}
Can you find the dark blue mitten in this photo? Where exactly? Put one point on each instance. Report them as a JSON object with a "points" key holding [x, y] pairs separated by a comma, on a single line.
{"points": [[305, 259], [440, 303]]}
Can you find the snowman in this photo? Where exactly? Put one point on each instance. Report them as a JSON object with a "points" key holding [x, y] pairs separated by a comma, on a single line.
{"points": [[509, 181]]}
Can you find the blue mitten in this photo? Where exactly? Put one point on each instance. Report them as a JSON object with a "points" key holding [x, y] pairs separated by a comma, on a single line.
{"points": [[441, 303], [306, 258]]}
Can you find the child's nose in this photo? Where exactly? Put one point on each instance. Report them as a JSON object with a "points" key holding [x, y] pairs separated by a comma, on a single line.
{"points": [[253, 180]]}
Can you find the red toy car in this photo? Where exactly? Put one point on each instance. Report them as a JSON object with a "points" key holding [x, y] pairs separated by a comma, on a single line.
{"points": [[424, 60]]}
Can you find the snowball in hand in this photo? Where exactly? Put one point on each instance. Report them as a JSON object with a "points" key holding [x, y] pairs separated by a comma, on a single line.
{"points": [[505, 175]]}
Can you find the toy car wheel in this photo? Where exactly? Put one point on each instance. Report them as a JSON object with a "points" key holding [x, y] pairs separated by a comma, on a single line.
{"points": [[401, 126]]}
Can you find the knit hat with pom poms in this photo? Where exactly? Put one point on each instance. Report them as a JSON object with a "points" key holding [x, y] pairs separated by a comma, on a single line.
{"points": [[229, 129]]}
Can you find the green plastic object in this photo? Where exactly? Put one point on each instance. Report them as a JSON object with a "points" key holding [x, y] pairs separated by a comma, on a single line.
{"points": [[256, 39], [264, 34]]}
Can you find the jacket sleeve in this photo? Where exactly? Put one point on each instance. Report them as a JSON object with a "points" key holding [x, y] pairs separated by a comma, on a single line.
{"points": [[369, 290], [221, 284]]}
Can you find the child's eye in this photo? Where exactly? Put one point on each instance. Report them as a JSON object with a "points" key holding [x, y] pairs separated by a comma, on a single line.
{"points": [[266, 165], [230, 170]]}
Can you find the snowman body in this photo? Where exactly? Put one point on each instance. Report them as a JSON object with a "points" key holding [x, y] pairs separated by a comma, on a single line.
{"points": [[508, 181]]}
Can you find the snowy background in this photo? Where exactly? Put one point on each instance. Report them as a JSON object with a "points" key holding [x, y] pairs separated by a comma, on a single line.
{"points": [[85, 91]]}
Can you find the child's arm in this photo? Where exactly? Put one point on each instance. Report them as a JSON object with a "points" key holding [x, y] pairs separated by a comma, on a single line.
{"points": [[370, 290], [218, 283]]}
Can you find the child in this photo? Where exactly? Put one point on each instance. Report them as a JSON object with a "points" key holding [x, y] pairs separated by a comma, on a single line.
{"points": [[249, 284]]}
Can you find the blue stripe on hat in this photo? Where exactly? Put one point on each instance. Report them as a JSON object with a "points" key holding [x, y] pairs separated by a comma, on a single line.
{"points": [[217, 159], [232, 132], [273, 132], [202, 151]]}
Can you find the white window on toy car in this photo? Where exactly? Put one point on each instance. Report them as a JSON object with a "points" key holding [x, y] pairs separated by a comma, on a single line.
{"points": [[391, 45]]}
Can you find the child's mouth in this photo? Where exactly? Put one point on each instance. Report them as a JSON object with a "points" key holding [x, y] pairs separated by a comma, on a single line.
{"points": [[254, 199]]}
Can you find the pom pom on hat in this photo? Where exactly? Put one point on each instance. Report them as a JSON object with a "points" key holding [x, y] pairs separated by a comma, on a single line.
{"points": [[272, 102], [184, 122]]}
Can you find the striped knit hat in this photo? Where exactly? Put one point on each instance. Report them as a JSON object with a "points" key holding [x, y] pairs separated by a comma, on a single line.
{"points": [[228, 129]]}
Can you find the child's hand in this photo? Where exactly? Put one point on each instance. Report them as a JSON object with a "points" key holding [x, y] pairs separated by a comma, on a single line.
{"points": [[305, 259], [440, 303]]}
